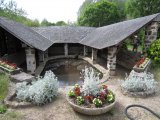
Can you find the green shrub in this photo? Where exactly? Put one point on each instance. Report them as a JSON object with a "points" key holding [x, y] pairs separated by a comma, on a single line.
{"points": [[3, 109], [4, 81], [154, 51]]}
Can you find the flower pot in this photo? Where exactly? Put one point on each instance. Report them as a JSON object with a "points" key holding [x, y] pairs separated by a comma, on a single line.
{"points": [[90, 111]]}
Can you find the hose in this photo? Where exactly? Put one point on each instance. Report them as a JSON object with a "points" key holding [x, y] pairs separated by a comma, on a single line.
{"points": [[140, 106]]}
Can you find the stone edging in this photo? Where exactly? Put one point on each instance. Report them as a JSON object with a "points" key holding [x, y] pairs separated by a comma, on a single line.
{"points": [[8, 101], [137, 94]]}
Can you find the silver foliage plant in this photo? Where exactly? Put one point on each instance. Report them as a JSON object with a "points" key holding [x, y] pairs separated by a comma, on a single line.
{"points": [[140, 82], [40, 92], [91, 81]]}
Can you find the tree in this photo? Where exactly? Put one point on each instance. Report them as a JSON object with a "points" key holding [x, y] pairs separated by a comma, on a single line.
{"points": [[137, 8], [121, 8], [83, 7], [32, 23], [61, 23], [100, 13], [46, 23], [10, 10]]}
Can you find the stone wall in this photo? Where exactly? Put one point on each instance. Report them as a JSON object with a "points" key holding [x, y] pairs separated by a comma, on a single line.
{"points": [[151, 33], [111, 60], [58, 49]]}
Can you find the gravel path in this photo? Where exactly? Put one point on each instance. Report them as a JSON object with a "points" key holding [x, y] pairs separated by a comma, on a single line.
{"points": [[60, 110]]}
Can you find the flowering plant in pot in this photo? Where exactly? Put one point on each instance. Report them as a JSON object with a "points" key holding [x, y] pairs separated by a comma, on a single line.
{"points": [[92, 98]]}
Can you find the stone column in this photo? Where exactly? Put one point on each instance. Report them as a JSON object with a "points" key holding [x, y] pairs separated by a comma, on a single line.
{"points": [[111, 60], [46, 54], [66, 49], [41, 56], [94, 54], [151, 34], [30, 60], [85, 50]]}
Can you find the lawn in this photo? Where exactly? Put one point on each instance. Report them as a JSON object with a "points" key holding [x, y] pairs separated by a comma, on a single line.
{"points": [[4, 82]]}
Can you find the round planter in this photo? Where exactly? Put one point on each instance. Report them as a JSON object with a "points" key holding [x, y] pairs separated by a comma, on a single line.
{"points": [[91, 111]]}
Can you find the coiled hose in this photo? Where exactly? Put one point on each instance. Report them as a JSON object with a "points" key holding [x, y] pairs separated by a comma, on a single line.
{"points": [[140, 106]]}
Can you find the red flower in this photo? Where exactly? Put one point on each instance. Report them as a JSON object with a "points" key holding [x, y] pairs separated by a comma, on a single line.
{"points": [[140, 61], [77, 91], [102, 96], [104, 86], [89, 98]]}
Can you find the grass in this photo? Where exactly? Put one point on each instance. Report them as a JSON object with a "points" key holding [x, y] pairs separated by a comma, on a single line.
{"points": [[4, 82], [11, 115]]}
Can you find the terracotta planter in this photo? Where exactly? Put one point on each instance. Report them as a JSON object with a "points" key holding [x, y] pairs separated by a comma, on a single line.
{"points": [[91, 111]]}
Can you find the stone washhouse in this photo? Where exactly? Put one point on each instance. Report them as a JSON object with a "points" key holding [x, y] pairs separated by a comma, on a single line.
{"points": [[32, 47]]}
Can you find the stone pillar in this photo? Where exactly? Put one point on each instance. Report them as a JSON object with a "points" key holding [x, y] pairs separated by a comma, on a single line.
{"points": [[151, 34], [94, 54], [85, 50], [46, 54], [41, 56], [66, 49], [111, 60], [30, 60]]}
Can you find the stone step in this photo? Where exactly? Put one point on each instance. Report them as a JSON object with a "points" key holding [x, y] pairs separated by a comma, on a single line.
{"points": [[21, 77]]}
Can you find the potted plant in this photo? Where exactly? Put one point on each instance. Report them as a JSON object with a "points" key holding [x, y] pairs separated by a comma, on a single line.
{"points": [[91, 98]]}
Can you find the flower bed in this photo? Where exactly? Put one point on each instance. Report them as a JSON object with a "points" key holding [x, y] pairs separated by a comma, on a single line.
{"points": [[142, 64], [8, 67], [91, 98]]}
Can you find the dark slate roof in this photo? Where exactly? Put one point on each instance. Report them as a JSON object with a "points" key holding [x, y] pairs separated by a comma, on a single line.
{"points": [[157, 18], [64, 34], [113, 34], [25, 34], [43, 37]]}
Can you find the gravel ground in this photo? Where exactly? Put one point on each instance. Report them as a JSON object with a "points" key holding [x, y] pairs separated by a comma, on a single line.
{"points": [[59, 109]]}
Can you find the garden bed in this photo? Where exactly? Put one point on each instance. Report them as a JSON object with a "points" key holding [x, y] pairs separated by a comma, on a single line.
{"points": [[9, 71], [142, 65], [142, 94], [8, 67]]}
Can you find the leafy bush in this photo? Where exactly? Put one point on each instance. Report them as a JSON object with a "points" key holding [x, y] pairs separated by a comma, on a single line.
{"points": [[79, 100], [139, 82], [97, 102], [39, 92], [3, 109], [154, 51], [91, 81]]}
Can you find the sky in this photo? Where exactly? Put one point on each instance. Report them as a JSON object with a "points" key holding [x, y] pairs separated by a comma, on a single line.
{"points": [[52, 10]]}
